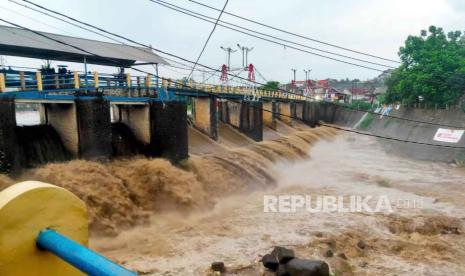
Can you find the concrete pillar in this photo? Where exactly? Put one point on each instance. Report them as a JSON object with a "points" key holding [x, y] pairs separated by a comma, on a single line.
{"points": [[137, 118], [285, 112], [233, 113], [223, 114], [62, 117], [42, 114], [84, 126], [94, 128], [168, 127], [251, 119], [327, 112], [9, 149], [205, 115], [298, 110], [269, 118], [309, 114]]}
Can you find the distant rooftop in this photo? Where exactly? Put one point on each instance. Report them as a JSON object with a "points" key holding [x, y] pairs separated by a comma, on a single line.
{"points": [[24, 43]]}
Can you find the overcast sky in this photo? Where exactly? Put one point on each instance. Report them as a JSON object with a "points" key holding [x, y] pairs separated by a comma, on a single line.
{"points": [[376, 27]]}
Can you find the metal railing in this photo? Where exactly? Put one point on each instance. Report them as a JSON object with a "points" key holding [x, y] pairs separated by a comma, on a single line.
{"points": [[22, 81]]}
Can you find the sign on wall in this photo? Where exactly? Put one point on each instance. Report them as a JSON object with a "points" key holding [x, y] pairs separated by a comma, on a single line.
{"points": [[448, 135]]}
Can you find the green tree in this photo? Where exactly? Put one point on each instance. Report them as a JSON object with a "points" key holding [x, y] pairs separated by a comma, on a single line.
{"points": [[432, 69], [271, 85]]}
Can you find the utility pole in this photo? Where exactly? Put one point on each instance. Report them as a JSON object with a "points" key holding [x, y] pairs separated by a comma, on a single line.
{"points": [[228, 51], [245, 54], [307, 73], [294, 83]]}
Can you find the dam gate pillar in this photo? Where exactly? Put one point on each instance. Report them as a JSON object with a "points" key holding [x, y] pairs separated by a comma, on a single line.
{"points": [[205, 115], [83, 125], [251, 119], [270, 113], [9, 153], [168, 130], [285, 112]]}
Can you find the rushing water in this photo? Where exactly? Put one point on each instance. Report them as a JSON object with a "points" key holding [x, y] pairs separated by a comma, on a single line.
{"points": [[160, 219], [421, 241]]}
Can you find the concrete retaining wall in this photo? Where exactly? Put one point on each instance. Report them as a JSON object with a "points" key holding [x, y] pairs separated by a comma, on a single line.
{"points": [[412, 131]]}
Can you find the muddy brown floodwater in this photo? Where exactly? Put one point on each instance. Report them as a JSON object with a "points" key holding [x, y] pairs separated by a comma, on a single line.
{"points": [[426, 240]]}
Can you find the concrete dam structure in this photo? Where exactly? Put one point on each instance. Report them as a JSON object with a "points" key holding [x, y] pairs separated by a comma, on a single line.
{"points": [[94, 127]]}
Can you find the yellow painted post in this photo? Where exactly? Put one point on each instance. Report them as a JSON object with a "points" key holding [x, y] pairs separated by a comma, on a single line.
{"points": [[128, 80], [39, 81], [191, 84], [76, 80], [148, 80], [96, 80], [22, 80], [163, 83], [2, 83]]}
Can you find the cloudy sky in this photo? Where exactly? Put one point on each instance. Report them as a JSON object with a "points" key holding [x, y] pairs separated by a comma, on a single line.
{"points": [[376, 27]]}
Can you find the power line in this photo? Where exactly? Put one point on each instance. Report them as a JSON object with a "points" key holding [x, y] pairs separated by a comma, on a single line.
{"points": [[208, 39], [217, 70], [262, 109], [295, 34], [273, 41], [138, 43], [179, 9]]}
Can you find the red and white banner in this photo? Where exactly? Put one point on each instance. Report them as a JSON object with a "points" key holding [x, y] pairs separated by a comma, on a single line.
{"points": [[448, 135]]}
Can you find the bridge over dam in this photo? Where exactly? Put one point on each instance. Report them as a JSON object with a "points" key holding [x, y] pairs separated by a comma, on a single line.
{"points": [[102, 116]]}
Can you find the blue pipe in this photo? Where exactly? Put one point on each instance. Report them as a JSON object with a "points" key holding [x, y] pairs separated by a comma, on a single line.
{"points": [[79, 256]]}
